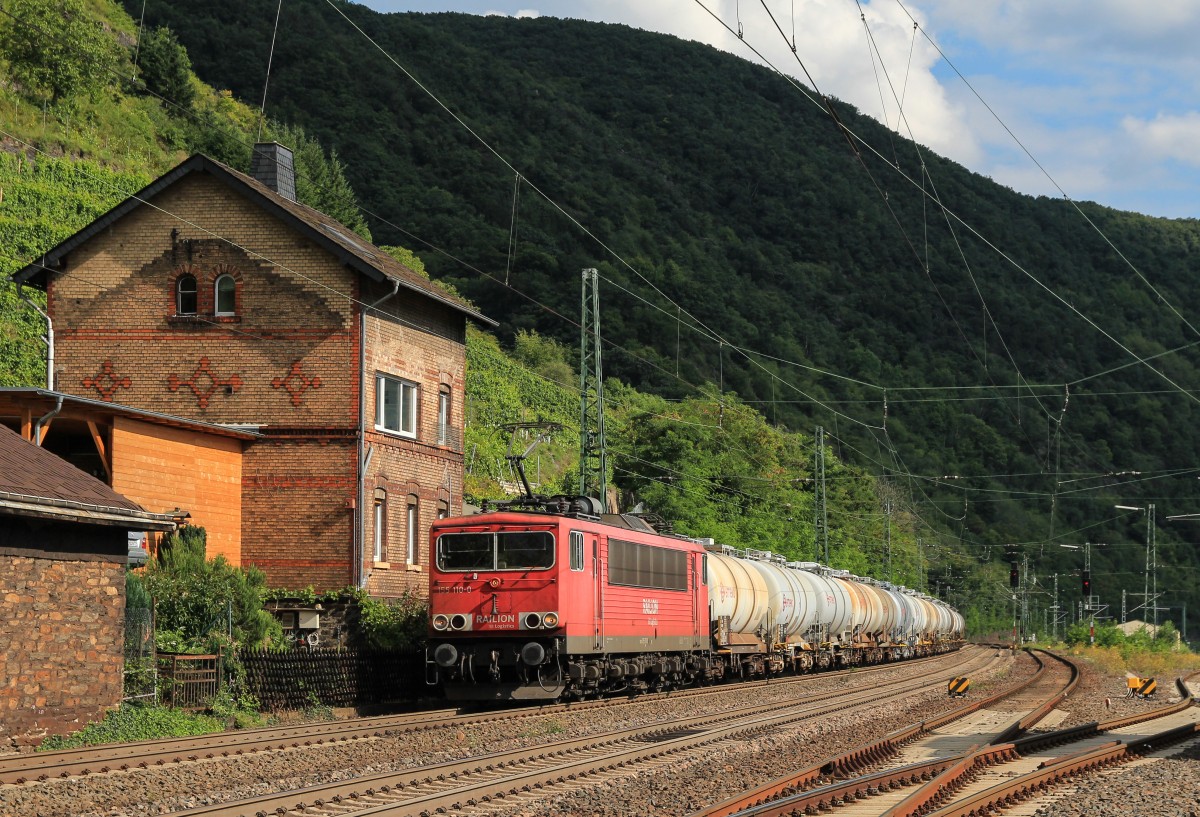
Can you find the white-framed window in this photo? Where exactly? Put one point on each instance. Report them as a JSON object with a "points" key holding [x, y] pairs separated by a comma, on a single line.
{"points": [[576, 550], [443, 421], [395, 405], [380, 527], [410, 526], [224, 295]]}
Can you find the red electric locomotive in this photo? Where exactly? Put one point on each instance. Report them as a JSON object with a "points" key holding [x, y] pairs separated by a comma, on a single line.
{"points": [[547, 598]]}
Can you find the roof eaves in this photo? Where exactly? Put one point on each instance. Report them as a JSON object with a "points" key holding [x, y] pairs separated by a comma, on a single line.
{"points": [[51, 258], [68, 510], [240, 432]]}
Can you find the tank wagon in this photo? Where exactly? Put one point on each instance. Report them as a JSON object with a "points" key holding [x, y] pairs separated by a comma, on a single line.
{"points": [[549, 598]]}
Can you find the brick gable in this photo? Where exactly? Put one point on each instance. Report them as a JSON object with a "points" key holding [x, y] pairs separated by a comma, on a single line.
{"points": [[292, 360]]}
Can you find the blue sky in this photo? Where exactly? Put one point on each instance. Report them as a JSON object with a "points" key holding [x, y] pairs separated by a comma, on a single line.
{"points": [[1103, 95]]}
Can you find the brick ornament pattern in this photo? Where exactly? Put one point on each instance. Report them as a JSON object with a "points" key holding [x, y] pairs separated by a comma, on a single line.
{"points": [[106, 382], [295, 383], [204, 383]]}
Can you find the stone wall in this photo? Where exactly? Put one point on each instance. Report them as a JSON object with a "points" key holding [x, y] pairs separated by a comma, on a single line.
{"points": [[62, 632]]}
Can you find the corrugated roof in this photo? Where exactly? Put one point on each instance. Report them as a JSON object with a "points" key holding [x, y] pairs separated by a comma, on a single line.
{"points": [[335, 237]]}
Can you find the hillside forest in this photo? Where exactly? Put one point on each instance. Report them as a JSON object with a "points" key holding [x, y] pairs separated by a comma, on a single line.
{"points": [[756, 284]]}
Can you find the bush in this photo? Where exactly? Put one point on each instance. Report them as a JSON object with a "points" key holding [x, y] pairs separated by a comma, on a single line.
{"points": [[129, 723], [394, 624], [203, 605]]}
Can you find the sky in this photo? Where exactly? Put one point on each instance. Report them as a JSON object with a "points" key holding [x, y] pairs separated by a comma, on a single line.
{"points": [[1093, 100]]}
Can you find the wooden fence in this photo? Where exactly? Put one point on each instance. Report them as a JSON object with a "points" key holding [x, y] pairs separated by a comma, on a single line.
{"points": [[301, 678], [189, 681]]}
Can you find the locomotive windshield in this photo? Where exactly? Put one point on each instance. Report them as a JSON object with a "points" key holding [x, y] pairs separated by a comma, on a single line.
{"points": [[517, 550]]}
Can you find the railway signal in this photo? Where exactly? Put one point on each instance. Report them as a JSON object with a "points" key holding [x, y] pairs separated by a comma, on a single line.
{"points": [[1087, 583]]}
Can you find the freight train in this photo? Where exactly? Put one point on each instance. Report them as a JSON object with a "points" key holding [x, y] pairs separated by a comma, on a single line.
{"points": [[548, 598]]}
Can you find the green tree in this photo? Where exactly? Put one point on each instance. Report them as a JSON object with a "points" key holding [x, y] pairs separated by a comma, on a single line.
{"points": [[165, 66], [546, 356], [55, 50], [321, 178], [201, 603]]}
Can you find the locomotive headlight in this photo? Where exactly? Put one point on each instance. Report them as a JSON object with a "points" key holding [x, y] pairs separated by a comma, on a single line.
{"points": [[458, 621], [532, 621], [441, 621], [550, 620]]}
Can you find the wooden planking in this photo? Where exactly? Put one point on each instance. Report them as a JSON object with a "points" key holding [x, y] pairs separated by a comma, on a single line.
{"points": [[162, 468]]}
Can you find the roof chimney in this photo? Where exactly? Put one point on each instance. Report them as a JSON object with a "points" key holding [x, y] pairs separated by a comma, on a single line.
{"points": [[271, 164]]}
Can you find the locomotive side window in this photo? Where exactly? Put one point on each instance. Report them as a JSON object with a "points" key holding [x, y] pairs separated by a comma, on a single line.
{"points": [[576, 550], [518, 550], [634, 565]]}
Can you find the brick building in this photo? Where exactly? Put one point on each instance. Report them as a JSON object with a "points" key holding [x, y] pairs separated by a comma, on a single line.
{"points": [[63, 548], [215, 296]]}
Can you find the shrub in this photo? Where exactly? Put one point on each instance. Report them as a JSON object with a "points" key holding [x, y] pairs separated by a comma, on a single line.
{"points": [[129, 723], [393, 624], [201, 605]]}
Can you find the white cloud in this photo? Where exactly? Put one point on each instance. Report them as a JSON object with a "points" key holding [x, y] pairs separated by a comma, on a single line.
{"points": [[1098, 91], [1167, 136], [520, 13]]}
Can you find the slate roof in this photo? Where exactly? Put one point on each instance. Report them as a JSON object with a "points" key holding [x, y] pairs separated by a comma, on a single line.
{"points": [[35, 482], [335, 237]]}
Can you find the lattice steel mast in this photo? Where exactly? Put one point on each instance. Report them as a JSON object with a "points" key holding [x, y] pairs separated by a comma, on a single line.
{"points": [[593, 461]]}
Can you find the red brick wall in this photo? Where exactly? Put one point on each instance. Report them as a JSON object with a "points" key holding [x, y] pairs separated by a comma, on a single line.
{"points": [[298, 505], [289, 357], [62, 622], [418, 466]]}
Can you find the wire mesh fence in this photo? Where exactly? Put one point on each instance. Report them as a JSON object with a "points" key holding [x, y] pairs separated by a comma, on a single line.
{"points": [[141, 670]]}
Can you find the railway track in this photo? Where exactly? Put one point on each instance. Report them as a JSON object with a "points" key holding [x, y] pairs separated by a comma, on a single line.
{"points": [[43, 766], [972, 765], [484, 784]]}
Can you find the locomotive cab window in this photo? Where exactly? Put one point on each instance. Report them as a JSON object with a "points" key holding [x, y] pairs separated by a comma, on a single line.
{"points": [[576, 550], [516, 550]]}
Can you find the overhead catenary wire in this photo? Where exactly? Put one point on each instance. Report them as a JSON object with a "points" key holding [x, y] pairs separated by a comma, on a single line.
{"points": [[967, 226], [1047, 173], [532, 186], [872, 384]]}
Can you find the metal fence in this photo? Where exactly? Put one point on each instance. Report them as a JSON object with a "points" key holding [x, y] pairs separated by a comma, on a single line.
{"points": [[141, 671]]}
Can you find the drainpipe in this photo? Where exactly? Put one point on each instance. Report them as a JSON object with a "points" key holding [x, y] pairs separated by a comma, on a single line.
{"points": [[360, 513], [48, 338], [45, 418]]}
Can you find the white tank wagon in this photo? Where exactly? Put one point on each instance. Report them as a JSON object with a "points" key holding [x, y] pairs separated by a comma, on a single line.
{"points": [[769, 615]]}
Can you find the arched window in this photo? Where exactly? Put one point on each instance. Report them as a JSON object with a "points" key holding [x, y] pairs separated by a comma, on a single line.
{"points": [[410, 524], [443, 420], [224, 291], [185, 295], [380, 525]]}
